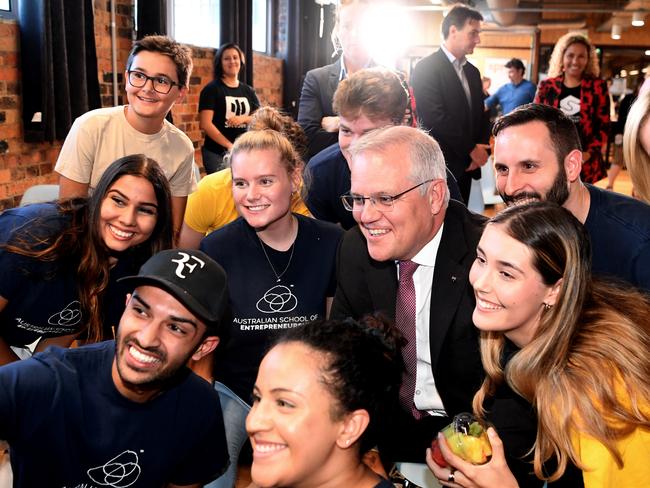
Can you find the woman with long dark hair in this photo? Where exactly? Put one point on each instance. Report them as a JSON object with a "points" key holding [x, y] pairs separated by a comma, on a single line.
{"points": [[225, 106], [59, 261]]}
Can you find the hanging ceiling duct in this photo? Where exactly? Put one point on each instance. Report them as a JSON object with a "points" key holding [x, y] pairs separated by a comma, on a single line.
{"points": [[503, 18]]}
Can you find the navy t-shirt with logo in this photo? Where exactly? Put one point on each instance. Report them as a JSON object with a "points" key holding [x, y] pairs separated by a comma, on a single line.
{"points": [[69, 426], [227, 102], [42, 296], [262, 307]]}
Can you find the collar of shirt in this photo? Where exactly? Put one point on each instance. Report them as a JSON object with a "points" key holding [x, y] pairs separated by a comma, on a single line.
{"points": [[343, 74], [451, 57], [427, 255]]}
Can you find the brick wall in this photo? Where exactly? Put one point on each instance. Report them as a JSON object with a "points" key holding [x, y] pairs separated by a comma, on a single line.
{"points": [[26, 164]]}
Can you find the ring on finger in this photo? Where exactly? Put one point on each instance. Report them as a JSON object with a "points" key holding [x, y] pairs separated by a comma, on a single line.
{"points": [[451, 478]]}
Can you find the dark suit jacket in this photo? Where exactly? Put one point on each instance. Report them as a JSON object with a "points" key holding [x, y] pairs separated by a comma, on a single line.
{"points": [[365, 286], [442, 109], [316, 102]]}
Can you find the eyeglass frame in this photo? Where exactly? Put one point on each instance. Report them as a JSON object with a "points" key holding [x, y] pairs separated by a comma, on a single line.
{"points": [[153, 81], [373, 199]]}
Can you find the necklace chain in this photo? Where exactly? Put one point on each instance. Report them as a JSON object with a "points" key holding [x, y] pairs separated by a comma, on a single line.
{"points": [[277, 276]]}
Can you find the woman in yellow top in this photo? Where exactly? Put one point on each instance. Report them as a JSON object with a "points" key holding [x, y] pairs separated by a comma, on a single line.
{"points": [[212, 206], [580, 354]]}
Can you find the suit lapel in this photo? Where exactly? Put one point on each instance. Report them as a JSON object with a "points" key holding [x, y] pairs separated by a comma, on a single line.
{"points": [[449, 283], [335, 72], [455, 87], [382, 283]]}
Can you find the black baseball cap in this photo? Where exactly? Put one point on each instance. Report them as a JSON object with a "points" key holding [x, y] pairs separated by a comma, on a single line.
{"points": [[192, 277]]}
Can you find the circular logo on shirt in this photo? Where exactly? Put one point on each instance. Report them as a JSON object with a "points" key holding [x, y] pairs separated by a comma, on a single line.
{"points": [[278, 299]]}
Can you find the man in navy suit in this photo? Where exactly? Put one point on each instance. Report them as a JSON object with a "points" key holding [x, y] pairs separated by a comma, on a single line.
{"points": [[449, 97], [399, 198]]}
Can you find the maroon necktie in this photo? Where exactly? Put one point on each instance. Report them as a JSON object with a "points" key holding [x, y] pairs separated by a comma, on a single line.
{"points": [[405, 322]]}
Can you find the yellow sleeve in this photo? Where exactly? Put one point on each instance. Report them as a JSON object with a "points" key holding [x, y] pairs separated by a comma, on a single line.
{"points": [[211, 206], [601, 468], [298, 206]]}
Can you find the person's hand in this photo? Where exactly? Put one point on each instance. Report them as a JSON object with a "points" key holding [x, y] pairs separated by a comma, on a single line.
{"points": [[493, 474], [479, 156], [330, 124], [236, 121]]}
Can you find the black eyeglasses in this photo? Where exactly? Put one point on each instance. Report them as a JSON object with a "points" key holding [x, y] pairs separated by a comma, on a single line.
{"points": [[161, 84], [354, 202]]}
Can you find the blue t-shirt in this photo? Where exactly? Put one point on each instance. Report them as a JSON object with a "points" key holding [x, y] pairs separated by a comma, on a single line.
{"points": [[328, 177], [42, 296], [511, 96], [67, 425], [261, 305], [619, 229]]}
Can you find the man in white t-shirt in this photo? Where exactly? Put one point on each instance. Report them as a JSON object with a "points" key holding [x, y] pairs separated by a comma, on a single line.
{"points": [[157, 75]]}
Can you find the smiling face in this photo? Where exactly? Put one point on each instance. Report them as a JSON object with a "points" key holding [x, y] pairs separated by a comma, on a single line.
{"points": [[146, 103], [292, 433], [128, 213], [156, 337], [230, 62], [414, 219], [526, 165], [351, 129], [510, 293], [262, 187], [575, 60]]}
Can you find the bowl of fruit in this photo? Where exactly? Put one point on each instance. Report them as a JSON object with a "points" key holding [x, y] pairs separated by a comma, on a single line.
{"points": [[466, 437]]}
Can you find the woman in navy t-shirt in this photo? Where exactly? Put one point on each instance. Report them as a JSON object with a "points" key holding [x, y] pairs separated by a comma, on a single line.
{"points": [[280, 268], [59, 261]]}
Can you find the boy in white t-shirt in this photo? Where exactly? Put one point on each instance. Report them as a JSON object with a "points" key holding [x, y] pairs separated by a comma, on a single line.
{"points": [[157, 76]]}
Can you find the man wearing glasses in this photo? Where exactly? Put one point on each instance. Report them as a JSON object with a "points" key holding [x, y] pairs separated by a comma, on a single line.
{"points": [[157, 75], [409, 259]]}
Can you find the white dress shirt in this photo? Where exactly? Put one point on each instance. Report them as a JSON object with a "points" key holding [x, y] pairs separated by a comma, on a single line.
{"points": [[426, 396]]}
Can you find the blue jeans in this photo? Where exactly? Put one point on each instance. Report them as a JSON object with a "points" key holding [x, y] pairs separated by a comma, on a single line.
{"points": [[234, 411]]}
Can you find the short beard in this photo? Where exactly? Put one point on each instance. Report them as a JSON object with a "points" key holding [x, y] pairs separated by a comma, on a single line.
{"points": [[558, 193]]}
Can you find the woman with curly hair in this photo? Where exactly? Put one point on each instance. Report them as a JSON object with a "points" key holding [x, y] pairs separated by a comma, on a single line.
{"points": [[211, 206], [574, 349], [636, 146], [574, 87], [323, 396], [59, 261]]}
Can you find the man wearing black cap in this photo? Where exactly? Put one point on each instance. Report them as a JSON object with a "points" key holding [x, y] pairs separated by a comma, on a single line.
{"points": [[126, 412], [514, 94]]}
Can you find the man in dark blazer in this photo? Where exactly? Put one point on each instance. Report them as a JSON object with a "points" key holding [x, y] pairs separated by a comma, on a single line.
{"points": [[399, 198], [315, 106], [449, 97]]}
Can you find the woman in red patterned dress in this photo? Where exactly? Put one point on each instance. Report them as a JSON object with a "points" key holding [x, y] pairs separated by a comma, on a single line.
{"points": [[574, 87]]}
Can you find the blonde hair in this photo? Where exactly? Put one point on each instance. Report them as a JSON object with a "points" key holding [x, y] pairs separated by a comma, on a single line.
{"points": [[556, 68], [636, 158], [267, 139], [272, 118], [587, 367]]}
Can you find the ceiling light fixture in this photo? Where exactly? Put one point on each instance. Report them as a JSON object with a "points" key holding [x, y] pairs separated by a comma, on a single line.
{"points": [[638, 19], [617, 30]]}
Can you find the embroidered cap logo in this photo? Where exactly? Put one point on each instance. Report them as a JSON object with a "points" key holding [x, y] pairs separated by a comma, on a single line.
{"points": [[184, 264]]}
